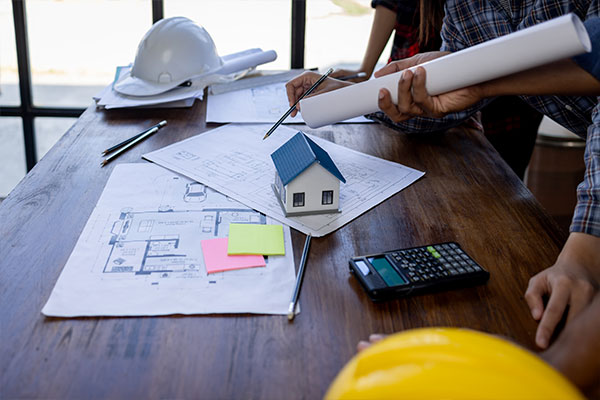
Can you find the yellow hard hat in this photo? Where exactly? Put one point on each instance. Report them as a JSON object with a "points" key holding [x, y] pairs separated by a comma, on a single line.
{"points": [[448, 363]]}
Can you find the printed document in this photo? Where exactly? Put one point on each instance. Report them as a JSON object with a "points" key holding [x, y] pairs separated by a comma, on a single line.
{"points": [[140, 253]]}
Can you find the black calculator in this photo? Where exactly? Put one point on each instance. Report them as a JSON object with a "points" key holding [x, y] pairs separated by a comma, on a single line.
{"points": [[416, 270]]}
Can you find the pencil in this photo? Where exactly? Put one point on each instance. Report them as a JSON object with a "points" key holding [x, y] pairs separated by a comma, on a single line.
{"points": [[132, 143], [292, 308], [131, 139], [288, 112]]}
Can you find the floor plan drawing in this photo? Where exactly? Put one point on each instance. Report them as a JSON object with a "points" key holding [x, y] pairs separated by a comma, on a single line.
{"points": [[140, 253], [160, 241]]}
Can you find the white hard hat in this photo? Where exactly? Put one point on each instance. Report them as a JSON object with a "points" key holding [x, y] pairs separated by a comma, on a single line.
{"points": [[172, 52]]}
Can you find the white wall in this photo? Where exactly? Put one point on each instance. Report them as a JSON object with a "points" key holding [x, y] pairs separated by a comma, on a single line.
{"points": [[312, 182]]}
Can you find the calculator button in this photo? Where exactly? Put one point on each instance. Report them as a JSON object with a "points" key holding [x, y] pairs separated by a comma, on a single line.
{"points": [[461, 270], [469, 268], [452, 271]]}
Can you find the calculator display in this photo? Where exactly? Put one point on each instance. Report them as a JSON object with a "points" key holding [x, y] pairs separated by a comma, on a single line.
{"points": [[386, 271]]}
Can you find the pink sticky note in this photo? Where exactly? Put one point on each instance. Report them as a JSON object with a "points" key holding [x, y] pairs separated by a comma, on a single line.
{"points": [[217, 260]]}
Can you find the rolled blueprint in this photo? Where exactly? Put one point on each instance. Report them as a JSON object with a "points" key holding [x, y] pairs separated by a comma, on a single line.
{"points": [[541, 44], [248, 59]]}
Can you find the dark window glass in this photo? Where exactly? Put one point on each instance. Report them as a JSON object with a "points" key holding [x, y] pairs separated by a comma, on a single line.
{"points": [[299, 199], [327, 197]]}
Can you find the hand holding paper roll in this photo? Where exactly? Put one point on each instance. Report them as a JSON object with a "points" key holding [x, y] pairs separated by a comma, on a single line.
{"points": [[538, 45]]}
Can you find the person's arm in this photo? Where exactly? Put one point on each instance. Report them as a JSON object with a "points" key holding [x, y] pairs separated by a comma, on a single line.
{"points": [[562, 77], [383, 26], [575, 352], [577, 76], [572, 281]]}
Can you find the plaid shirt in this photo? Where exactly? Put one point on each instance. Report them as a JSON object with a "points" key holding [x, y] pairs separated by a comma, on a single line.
{"points": [[468, 23]]}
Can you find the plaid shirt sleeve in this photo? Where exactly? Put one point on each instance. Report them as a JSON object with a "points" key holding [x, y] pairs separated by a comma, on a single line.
{"points": [[586, 218], [426, 124], [591, 61]]}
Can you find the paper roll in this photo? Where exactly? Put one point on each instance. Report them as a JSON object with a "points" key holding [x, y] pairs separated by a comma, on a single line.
{"points": [[249, 59], [541, 44]]}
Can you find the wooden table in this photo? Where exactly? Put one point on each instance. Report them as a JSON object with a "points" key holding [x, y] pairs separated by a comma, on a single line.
{"points": [[468, 195]]}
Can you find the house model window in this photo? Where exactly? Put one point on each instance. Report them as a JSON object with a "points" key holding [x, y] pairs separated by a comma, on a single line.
{"points": [[327, 197], [307, 181], [298, 199]]}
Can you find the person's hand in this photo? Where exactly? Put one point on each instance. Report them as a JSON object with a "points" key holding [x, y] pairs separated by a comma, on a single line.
{"points": [[414, 101], [572, 281], [417, 59], [341, 73], [300, 84], [373, 338]]}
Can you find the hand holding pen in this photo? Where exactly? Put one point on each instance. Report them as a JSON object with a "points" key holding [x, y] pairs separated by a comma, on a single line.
{"points": [[298, 86]]}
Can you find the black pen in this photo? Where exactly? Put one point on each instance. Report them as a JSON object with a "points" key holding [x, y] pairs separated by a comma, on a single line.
{"points": [[288, 112], [292, 308]]}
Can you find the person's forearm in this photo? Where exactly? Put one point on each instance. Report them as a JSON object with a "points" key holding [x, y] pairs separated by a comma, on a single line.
{"points": [[575, 352], [383, 25], [560, 78]]}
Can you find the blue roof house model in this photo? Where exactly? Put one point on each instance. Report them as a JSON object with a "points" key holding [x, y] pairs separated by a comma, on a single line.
{"points": [[307, 181]]}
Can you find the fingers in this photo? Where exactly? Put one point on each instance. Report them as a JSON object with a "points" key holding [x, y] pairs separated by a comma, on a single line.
{"points": [[555, 309], [376, 337], [297, 86], [373, 338], [536, 289], [419, 93], [406, 104], [362, 345], [406, 107], [408, 62]]}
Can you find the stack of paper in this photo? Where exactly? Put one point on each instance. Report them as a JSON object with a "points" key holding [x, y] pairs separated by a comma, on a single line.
{"points": [[109, 98], [234, 67]]}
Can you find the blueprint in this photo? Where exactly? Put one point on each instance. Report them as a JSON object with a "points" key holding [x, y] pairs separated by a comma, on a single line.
{"points": [[140, 253], [261, 104], [236, 161]]}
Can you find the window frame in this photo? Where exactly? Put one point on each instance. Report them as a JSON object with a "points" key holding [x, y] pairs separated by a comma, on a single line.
{"points": [[327, 194], [296, 202]]}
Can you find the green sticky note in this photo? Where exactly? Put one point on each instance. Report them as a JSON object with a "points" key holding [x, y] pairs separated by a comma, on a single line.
{"points": [[255, 239]]}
